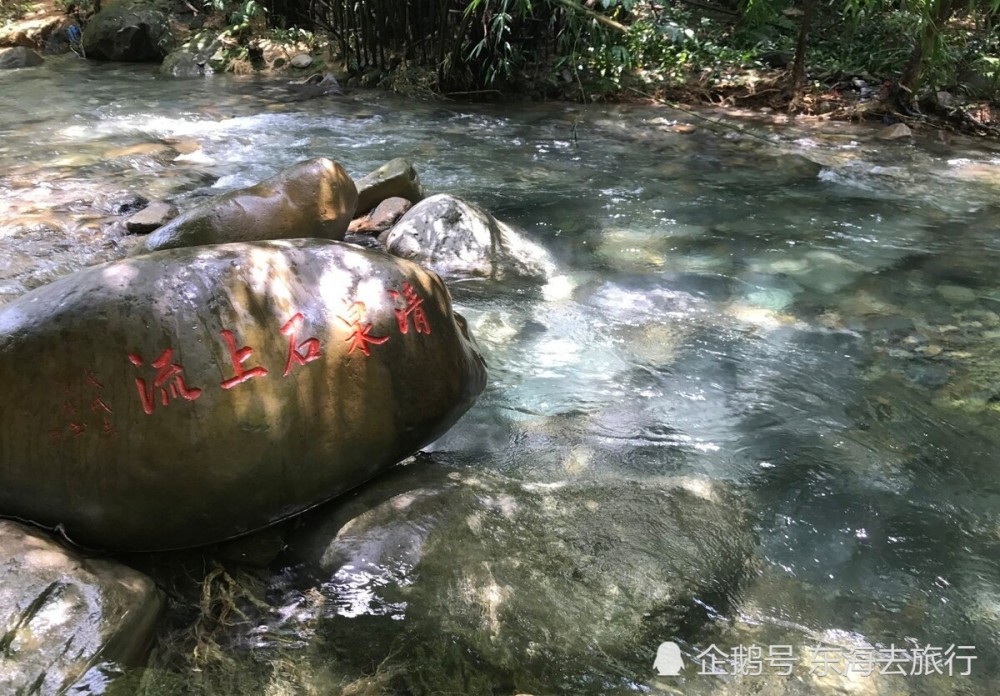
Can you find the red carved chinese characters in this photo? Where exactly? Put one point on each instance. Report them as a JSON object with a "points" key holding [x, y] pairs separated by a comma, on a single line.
{"points": [[414, 308], [304, 352], [239, 356], [361, 336], [99, 406], [169, 380], [73, 403]]}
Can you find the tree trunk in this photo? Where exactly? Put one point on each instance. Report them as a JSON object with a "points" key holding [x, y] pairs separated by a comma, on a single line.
{"points": [[799, 65], [913, 72]]}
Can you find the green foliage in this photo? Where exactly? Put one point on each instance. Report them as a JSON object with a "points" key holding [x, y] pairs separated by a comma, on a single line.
{"points": [[242, 15], [667, 47], [292, 35], [494, 54], [868, 41], [602, 47]]}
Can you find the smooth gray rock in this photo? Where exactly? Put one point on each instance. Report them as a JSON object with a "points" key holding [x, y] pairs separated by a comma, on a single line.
{"points": [[301, 60], [189, 396], [62, 613], [458, 239], [19, 57]]}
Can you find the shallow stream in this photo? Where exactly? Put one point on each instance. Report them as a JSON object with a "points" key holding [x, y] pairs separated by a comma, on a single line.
{"points": [[795, 325]]}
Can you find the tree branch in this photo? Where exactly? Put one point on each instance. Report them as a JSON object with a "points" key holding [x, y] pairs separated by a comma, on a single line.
{"points": [[606, 21]]}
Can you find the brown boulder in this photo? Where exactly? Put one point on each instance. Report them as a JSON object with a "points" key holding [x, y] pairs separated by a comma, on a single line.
{"points": [[188, 396], [315, 198]]}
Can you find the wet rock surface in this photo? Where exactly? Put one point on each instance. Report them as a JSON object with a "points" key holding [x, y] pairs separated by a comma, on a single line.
{"points": [[63, 614]]}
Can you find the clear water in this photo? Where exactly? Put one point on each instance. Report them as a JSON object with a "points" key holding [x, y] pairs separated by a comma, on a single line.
{"points": [[800, 316]]}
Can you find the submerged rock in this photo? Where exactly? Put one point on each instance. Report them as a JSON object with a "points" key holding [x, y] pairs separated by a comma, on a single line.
{"points": [[956, 294], [62, 614], [464, 580], [314, 198], [185, 397], [394, 179], [458, 239]]}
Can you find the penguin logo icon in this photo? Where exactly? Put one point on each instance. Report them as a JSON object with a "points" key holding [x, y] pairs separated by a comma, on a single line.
{"points": [[668, 659]]}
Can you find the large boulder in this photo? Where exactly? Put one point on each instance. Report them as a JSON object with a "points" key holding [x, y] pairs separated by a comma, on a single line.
{"points": [[314, 198], [462, 580], [188, 396], [458, 239], [62, 614], [19, 57], [394, 179], [137, 32]]}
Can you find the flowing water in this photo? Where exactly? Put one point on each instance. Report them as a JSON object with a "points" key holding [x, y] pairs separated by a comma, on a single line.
{"points": [[798, 323]]}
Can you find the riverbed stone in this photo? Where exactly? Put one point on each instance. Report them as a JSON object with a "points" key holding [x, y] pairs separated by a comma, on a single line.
{"points": [[132, 31], [193, 395], [19, 57], [153, 216], [896, 131], [301, 61], [314, 198], [394, 179], [461, 580], [385, 215], [458, 239], [62, 613]]}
